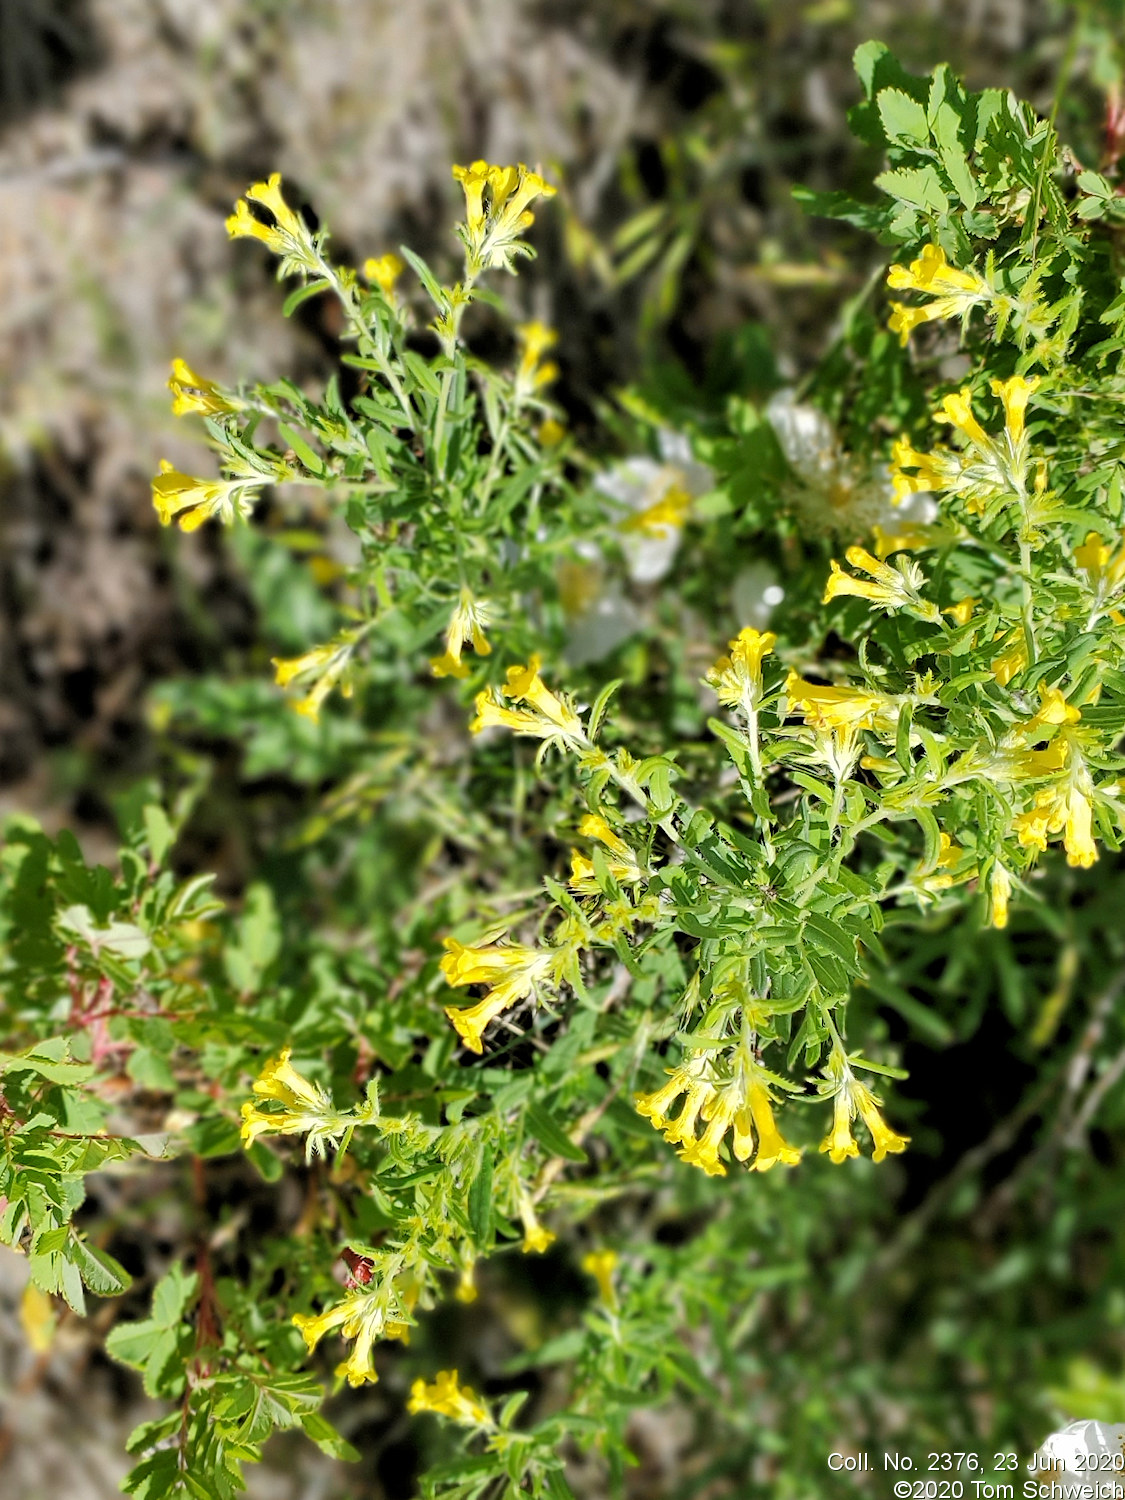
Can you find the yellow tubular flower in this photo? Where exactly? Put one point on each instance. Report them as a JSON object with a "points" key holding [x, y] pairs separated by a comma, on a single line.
{"points": [[474, 180], [548, 716], [657, 1105], [600, 1265], [384, 271], [191, 393], [362, 1317], [286, 237], [286, 669], [999, 892], [772, 1147], [892, 588], [466, 627], [841, 707], [513, 971], [448, 1399], [955, 292], [1014, 395], [737, 678], [536, 1239], [704, 1151], [840, 1143], [525, 683], [885, 1140], [536, 338], [1011, 661], [958, 410], [932, 273], [191, 501], [935, 471], [961, 612]]}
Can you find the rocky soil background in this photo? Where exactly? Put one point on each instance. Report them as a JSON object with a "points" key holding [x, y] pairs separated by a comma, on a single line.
{"points": [[127, 129]]}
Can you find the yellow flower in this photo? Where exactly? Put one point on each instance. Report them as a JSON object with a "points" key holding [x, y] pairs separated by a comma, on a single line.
{"points": [[365, 1315], [326, 663], [737, 678], [466, 626], [741, 1105], [772, 1147], [600, 1265], [287, 237], [961, 612], [850, 1097], [934, 471], [891, 588], [550, 433], [306, 1109], [999, 893], [1014, 395], [1011, 660], [466, 1286], [513, 972], [191, 501], [929, 882], [531, 376], [1053, 709], [384, 271], [448, 1399], [844, 708], [955, 292], [840, 1143], [622, 866], [1065, 808], [885, 1140], [536, 1239], [932, 273], [547, 717], [191, 393], [496, 212]]}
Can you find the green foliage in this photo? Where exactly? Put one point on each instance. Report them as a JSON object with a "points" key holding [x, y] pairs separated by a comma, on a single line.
{"points": [[740, 888]]}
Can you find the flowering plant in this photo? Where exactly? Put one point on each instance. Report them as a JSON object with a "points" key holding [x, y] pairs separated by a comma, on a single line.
{"points": [[688, 915]]}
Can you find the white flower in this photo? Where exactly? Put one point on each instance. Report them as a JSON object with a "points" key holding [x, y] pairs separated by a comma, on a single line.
{"points": [[653, 500], [1083, 1452], [836, 493]]}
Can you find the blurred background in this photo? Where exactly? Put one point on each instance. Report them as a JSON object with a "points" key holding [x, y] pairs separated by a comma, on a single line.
{"points": [[675, 128]]}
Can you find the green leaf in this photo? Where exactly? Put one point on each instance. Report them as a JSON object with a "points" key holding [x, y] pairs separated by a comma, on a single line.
{"points": [[158, 831], [102, 1274], [550, 1135], [903, 117], [480, 1201], [308, 456], [918, 186]]}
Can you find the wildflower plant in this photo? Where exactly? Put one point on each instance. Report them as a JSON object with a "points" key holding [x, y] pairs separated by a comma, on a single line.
{"points": [[616, 934]]}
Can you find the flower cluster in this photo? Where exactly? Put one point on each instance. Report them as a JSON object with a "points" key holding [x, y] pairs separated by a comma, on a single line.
{"points": [[288, 237], [990, 470], [466, 627], [512, 973], [729, 1096], [544, 715], [448, 1398], [366, 1315], [306, 1108], [621, 862], [851, 1098], [955, 293], [891, 588], [497, 213], [319, 671]]}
